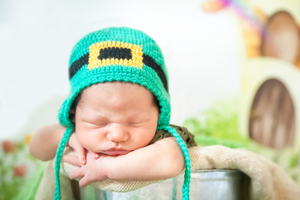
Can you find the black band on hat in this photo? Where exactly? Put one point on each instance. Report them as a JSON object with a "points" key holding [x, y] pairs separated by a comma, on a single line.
{"points": [[76, 65], [149, 61]]}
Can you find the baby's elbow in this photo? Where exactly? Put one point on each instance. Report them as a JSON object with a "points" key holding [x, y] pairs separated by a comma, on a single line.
{"points": [[173, 161], [176, 167], [38, 155], [172, 166], [35, 151]]}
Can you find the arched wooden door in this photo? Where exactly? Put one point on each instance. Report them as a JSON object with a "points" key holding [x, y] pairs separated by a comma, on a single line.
{"points": [[281, 37], [272, 116]]}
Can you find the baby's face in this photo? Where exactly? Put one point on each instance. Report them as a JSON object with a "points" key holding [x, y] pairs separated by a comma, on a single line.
{"points": [[115, 118]]}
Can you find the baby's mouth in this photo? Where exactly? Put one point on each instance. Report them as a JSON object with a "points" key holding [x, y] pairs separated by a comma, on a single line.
{"points": [[115, 152]]}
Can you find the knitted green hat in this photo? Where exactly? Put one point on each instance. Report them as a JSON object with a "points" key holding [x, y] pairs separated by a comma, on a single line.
{"points": [[119, 54]]}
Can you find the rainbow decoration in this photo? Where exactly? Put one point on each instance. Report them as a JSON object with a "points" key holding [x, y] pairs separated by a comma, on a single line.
{"points": [[238, 6]]}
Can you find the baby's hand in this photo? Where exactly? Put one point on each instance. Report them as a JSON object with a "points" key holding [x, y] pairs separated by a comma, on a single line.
{"points": [[80, 150], [93, 171]]}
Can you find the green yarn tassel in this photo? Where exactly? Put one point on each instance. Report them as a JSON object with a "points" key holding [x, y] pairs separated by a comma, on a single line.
{"points": [[187, 174], [59, 154]]}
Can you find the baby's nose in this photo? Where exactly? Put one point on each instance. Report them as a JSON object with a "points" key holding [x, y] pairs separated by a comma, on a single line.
{"points": [[117, 133]]}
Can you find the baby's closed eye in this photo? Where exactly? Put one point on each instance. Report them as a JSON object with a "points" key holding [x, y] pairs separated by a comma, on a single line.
{"points": [[97, 124], [137, 122], [134, 124]]}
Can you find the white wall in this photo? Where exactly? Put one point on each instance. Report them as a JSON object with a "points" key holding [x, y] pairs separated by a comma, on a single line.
{"points": [[36, 38]]}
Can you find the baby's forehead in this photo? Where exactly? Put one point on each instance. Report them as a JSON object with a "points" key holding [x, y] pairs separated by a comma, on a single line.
{"points": [[114, 88], [124, 88]]}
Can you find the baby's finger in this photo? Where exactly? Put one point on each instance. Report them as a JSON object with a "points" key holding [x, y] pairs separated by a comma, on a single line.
{"points": [[96, 155], [81, 154], [76, 173], [83, 182], [73, 160]]}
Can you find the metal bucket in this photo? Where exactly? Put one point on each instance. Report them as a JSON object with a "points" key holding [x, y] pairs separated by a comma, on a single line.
{"points": [[205, 184]]}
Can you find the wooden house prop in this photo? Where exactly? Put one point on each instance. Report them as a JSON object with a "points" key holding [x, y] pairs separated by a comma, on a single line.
{"points": [[269, 67]]}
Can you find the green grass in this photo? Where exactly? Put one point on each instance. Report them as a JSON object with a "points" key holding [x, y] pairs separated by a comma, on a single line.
{"points": [[218, 125]]}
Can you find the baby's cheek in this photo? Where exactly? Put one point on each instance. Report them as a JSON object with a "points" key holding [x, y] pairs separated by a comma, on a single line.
{"points": [[91, 140], [83, 139], [145, 137]]}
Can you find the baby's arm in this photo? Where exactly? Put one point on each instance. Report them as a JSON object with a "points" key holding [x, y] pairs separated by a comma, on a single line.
{"points": [[45, 141], [161, 160]]}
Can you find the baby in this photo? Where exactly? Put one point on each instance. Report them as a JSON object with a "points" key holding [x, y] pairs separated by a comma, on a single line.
{"points": [[117, 115]]}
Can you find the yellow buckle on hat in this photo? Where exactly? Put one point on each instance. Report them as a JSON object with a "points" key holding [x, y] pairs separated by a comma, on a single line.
{"points": [[94, 61]]}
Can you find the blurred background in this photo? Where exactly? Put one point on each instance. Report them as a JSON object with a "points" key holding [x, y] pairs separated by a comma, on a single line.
{"points": [[234, 70]]}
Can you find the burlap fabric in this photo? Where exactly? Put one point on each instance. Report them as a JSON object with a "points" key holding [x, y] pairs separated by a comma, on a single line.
{"points": [[267, 181]]}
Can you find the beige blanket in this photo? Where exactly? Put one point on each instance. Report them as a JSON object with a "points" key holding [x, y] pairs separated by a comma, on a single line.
{"points": [[267, 181]]}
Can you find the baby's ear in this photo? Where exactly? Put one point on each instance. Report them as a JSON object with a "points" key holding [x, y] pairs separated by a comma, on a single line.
{"points": [[72, 115]]}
